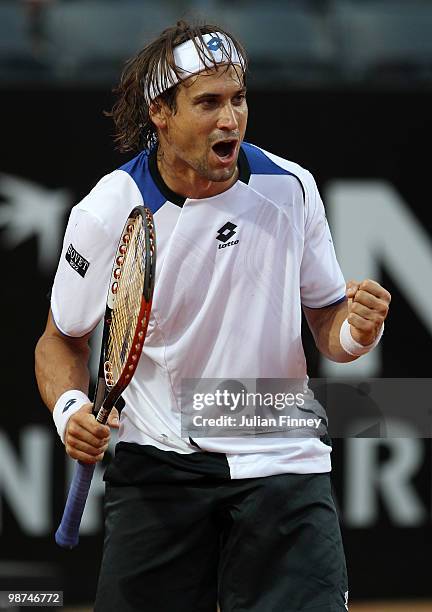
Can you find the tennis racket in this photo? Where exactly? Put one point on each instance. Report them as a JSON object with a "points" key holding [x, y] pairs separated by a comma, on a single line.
{"points": [[127, 315]]}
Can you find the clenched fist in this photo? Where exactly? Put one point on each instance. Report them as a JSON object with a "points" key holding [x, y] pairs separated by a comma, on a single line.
{"points": [[368, 306], [85, 438]]}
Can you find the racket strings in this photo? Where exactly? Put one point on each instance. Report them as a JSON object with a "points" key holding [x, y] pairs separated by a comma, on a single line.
{"points": [[128, 300]]}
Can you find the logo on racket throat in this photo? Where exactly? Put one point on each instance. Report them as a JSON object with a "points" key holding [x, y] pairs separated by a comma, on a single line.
{"points": [[76, 261], [225, 233]]}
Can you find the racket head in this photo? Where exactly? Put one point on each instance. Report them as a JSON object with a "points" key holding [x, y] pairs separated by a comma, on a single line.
{"points": [[127, 314]]}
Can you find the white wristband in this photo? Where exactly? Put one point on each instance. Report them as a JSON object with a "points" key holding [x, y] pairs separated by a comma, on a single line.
{"points": [[67, 404], [351, 346]]}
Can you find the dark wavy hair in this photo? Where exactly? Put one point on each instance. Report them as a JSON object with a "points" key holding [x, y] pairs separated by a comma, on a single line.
{"points": [[134, 130]]}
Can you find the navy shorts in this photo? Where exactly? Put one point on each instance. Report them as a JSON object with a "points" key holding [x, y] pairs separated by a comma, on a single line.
{"points": [[177, 540]]}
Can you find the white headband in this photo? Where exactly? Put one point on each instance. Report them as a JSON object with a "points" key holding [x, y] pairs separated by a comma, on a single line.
{"points": [[218, 49]]}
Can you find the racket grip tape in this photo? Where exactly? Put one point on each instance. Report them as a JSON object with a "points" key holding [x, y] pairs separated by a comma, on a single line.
{"points": [[67, 535]]}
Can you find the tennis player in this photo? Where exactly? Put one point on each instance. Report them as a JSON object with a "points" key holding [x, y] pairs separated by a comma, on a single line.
{"points": [[243, 247]]}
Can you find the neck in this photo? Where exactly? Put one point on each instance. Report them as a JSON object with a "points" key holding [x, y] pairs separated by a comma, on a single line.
{"points": [[187, 182]]}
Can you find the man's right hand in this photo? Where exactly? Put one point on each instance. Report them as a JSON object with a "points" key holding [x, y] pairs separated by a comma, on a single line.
{"points": [[85, 438]]}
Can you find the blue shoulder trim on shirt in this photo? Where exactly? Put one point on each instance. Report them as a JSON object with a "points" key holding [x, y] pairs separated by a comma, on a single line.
{"points": [[138, 170], [259, 162]]}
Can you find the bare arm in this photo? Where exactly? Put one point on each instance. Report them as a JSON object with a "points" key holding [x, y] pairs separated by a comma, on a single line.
{"points": [[366, 308], [325, 324], [61, 365]]}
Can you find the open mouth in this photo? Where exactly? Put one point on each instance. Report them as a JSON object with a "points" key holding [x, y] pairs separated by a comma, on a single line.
{"points": [[225, 149]]}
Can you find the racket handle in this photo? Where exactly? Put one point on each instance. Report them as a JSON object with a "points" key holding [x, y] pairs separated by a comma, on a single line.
{"points": [[67, 535]]}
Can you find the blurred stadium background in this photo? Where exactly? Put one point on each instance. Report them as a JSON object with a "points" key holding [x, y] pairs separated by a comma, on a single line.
{"points": [[343, 87]]}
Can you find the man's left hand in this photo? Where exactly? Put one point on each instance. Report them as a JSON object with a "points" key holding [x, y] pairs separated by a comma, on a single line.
{"points": [[368, 306]]}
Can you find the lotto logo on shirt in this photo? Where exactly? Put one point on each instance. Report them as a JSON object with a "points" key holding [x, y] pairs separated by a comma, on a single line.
{"points": [[225, 233], [76, 261]]}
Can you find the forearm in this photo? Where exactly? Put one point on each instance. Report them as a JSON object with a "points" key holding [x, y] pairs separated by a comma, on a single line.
{"points": [[365, 310], [327, 333], [61, 364]]}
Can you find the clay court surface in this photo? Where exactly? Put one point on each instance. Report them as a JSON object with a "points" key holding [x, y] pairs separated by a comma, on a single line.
{"points": [[406, 606], [392, 607]]}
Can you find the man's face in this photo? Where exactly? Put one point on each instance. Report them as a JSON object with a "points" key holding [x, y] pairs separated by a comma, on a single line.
{"points": [[205, 132]]}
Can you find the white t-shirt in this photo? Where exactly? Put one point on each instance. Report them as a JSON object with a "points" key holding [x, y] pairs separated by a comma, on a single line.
{"points": [[232, 273]]}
